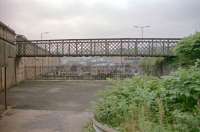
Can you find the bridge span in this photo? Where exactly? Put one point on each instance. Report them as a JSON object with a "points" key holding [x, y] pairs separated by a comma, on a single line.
{"points": [[144, 47]]}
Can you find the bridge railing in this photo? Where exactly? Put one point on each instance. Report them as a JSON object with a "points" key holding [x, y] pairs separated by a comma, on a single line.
{"points": [[98, 47]]}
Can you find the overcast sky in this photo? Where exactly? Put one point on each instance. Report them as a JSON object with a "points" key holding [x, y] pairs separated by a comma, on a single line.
{"points": [[101, 18]]}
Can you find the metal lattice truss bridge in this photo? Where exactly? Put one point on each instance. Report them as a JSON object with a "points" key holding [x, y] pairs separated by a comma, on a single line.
{"points": [[146, 47]]}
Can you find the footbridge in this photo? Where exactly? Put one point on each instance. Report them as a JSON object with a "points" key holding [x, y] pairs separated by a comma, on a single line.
{"points": [[143, 47]]}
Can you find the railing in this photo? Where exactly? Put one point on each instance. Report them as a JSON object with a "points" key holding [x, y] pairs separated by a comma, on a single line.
{"points": [[150, 47], [64, 73]]}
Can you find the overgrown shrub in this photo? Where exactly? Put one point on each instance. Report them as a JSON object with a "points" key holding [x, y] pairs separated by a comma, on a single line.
{"points": [[188, 50], [152, 66], [182, 98], [149, 104], [157, 66], [126, 99]]}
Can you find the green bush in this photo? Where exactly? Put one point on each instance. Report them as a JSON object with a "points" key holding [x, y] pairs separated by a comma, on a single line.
{"points": [[158, 66], [188, 50], [123, 102], [182, 98], [148, 104], [152, 66]]}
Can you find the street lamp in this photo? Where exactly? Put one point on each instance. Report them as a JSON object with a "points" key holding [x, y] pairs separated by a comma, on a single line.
{"points": [[142, 28], [42, 33]]}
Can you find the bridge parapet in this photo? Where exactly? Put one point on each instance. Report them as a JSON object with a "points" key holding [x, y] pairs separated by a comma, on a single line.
{"points": [[146, 47]]}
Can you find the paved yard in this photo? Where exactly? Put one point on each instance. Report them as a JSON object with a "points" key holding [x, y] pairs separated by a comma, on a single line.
{"points": [[50, 106]]}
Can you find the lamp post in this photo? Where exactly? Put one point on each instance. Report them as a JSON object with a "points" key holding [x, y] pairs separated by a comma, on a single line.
{"points": [[41, 35], [142, 29]]}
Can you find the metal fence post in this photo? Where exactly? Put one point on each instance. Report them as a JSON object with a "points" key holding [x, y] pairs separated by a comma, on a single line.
{"points": [[5, 88]]}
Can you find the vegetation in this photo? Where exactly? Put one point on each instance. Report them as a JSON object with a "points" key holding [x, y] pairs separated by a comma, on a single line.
{"points": [[188, 50], [182, 98], [147, 104], [158, 66], [152, 65], [150, 104], [89, 127]]}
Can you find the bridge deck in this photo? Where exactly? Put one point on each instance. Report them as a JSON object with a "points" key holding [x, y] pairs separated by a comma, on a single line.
{"points": [[151, 47]]}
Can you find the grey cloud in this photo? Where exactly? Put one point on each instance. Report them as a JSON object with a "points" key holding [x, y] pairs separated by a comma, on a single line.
{"points": [[101, 18]]}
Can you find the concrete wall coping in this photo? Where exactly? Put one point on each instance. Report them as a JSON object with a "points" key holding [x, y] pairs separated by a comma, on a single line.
{"points": [[7, 27]]}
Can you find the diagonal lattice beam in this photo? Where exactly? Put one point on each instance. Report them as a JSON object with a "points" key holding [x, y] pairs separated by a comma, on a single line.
{"points": [[146, 47]]}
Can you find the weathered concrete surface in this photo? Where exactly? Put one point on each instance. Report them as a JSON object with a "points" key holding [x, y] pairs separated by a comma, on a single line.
{"points": [[43, 121], [50, 106]]}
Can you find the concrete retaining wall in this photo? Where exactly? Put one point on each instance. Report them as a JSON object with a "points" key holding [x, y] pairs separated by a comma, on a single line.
{"points": [[16, 67], [24, 72], [36, 63], [7, 55]]}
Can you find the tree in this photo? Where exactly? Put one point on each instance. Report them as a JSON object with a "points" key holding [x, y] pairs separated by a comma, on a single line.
{"points": [[188, 50]]}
